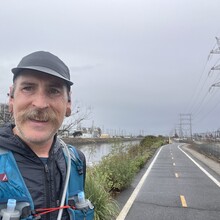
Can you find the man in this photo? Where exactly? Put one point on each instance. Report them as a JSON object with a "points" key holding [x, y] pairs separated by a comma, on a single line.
{"points": [[39, 101]]}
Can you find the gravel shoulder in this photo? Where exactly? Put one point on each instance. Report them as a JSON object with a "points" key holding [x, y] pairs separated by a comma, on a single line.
{"points": [[212, 164]]}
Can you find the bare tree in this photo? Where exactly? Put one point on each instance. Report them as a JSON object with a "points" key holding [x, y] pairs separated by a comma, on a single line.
{"points": [[75, 119], [5, 115]]}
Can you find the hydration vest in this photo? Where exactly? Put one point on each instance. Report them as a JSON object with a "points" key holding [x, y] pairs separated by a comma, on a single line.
{"points": [[12, 186]]}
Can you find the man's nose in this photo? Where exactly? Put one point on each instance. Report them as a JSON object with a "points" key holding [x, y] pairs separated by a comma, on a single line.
{"points": [[40, 100]]}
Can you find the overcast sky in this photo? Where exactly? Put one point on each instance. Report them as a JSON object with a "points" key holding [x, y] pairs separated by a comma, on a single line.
{"points": [[138, 64]]}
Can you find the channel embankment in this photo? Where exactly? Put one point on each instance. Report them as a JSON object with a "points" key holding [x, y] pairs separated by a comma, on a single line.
{"points": [[81, 141]]}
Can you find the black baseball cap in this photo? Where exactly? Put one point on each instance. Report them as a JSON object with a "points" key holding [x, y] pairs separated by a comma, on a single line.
{"points": [[44, 62]]}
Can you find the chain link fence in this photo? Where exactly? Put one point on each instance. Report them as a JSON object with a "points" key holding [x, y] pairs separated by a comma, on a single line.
{"points": [[211, 150]]}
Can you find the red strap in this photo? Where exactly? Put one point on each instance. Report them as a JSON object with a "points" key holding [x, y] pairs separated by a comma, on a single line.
{"points": [[42, 211]]}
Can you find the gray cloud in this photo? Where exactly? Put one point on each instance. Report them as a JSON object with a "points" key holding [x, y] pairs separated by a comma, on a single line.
{"points": [[137, 63]]}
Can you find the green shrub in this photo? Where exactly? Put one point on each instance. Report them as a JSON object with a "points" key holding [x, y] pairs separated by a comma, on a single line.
{"points": [[106, 208], [140, 161], [117, 171]]}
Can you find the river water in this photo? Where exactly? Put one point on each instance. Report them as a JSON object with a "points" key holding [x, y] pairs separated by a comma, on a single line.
{"points": [[95, 152]]}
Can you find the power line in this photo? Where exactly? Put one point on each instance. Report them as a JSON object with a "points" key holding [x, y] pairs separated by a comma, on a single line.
{"points": [[200, 86], [202, 98], [196, 91], [208, 113], [214, 84]]}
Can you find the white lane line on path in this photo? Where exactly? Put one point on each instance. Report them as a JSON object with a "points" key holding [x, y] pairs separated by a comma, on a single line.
{"points": [[201, 168], [133, 196]]}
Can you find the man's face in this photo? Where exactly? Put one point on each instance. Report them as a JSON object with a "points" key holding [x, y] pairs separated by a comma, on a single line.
{"points": [[39, 106]]}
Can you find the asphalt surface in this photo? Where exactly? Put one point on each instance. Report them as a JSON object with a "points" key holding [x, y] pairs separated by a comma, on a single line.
{"points": [[173, 187]]}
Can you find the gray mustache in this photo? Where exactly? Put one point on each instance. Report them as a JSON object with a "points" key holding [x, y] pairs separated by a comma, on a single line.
{"points": [[39, 115]]}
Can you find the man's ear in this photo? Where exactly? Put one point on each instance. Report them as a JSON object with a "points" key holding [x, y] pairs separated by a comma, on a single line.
{"points": [[68, 111], [11, 98], [69, 96], [68, 108]]}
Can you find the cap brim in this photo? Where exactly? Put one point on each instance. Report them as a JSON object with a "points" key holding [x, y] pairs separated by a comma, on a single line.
{"points": [[51, 72]]}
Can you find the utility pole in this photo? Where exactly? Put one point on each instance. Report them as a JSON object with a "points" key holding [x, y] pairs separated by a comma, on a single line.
{"points": [[216, 67], [217, 50], [186, 125]]}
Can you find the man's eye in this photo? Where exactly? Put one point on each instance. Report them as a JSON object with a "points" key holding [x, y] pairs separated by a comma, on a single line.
{"points": [[27, 88], [54, 91]]}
